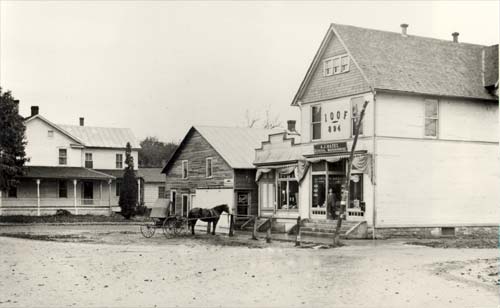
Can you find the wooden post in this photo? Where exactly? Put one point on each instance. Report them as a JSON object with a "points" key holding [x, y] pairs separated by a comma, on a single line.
{"points": [[38, 197], [74, 196], [109, 197], [0, 202], [208, 227], [268, 235], [231, 225], [100, 192], [297, 239], [336, 236], [254, 232]]}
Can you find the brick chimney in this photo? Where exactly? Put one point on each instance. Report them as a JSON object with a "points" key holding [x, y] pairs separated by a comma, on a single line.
{"points": [[34, 110], [404, 28], [455, 37], [291, 125], [82, 121]]}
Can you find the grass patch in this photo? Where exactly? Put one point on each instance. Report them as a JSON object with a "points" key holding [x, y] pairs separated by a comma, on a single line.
{"points": [[457, 243]]}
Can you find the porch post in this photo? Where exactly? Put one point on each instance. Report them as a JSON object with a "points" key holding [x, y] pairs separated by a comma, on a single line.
{"points": [[109, 197], [138, 191], [100, 192], [38, 196], [74, 195]]}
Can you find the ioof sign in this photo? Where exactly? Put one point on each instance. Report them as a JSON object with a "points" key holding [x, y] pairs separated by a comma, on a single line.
{"points": [[335, 147]]}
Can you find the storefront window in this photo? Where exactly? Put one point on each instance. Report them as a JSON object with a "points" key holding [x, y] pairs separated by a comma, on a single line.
{"points": [[319, 192], [288, 192]]}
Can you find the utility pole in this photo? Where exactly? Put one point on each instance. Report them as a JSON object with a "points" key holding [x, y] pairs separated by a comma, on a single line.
{"points": [[336, 236]]}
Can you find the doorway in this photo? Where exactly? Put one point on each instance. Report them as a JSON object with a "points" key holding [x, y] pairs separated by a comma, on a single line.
{"points": [[88, 192], [185, 205], [242, 203]]}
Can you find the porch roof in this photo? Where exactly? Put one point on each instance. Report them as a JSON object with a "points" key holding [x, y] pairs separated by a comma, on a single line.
{"points": [[45, 172]]}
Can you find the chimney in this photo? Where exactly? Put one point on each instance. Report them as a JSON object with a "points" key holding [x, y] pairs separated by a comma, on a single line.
{"points": [[82, 121], [455, 37], [34, 110], [291, 125], [404, 27]]}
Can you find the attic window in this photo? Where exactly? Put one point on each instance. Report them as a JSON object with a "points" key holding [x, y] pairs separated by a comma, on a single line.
{"points": [[50, 133], [336, 65]]}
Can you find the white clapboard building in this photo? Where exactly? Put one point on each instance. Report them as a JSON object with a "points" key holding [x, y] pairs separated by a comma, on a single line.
{"points": [[426, 162]]}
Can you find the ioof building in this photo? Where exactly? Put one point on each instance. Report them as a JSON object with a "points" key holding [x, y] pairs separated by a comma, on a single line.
{"points": [[426, 161]]}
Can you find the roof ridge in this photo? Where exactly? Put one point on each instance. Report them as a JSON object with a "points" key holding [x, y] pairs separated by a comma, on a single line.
{"points": [[248, 128], [411, 35], [87, 126]]}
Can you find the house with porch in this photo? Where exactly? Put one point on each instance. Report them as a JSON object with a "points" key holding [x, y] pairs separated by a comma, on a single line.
{"points": [[72, 167], [426, 162]]}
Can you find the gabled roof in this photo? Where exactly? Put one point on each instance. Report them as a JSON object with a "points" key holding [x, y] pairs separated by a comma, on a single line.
{"points": [[103, 137], [415, 64], [55, 126], [236, 145], [490, 60]]}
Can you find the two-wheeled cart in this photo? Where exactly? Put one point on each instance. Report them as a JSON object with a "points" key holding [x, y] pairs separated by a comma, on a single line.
{"points": [[171, 225]]}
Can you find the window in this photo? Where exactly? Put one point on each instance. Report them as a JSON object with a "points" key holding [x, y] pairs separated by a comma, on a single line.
{"points": [[119, 161], [12, 193], [63, 157], [63, 189], [118, 188], [50, 133], [185, 169], [288, 192], [356, 107], [161, 192], [88, 160], [328, 67], [316, 122], [209, 167], [335, 65], [431, 118]]}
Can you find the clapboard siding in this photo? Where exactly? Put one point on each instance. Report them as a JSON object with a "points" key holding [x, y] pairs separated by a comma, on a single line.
{"points": [[433, 182], [151, 193], [327, 87], [195, 150]]}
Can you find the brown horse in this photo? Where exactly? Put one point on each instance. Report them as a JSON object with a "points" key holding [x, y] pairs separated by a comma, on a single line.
{"points": [[207, 215]]}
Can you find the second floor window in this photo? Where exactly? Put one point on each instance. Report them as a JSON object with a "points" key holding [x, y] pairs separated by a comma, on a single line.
{"points": [[119, 161], [161, 192], [209, 167], [88, 160], [431, 118], [185, 169], [316, 122], [63, 157], [356, 107]]}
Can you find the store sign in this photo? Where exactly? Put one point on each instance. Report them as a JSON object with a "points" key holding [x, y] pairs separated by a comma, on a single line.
{"points": [[336, 120], [334, 147]]}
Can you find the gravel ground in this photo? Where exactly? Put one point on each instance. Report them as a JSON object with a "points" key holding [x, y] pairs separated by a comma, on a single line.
{"points": [[110, 266]]}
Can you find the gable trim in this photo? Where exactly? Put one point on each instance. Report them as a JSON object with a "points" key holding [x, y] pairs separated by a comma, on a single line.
{"points": [[317, 60]]}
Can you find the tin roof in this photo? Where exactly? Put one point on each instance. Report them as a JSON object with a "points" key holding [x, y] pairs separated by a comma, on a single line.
{"points": [[151, 175], [102, 137], [415, 64], [43, 172]]}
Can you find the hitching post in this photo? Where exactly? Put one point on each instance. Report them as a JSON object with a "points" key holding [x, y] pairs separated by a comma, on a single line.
{"points": [[297, 239], [231, 225], [268, 235], [254, 233]]}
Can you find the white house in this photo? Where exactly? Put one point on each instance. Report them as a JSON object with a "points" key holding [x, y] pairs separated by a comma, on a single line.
{"points": [[153, 187], [426, 161], [76, 168]]}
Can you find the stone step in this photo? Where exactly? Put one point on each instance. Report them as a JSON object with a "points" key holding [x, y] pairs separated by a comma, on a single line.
{"points": [[343, 229], [320, 234]]}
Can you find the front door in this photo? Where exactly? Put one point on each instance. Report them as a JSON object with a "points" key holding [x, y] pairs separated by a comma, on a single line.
{"points": [[185, 205], [242, 203], [88, 192]]}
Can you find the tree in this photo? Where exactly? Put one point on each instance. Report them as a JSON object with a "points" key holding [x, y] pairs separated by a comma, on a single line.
{"points": [[269, 121], [12, 141], [128, 192], [154, 153]]}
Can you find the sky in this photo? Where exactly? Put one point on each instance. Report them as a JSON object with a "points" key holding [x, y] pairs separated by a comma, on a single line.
{"points": [[160, 67]]}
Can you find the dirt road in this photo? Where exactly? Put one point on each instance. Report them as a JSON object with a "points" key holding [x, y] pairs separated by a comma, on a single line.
{"points": [[123, 269]]}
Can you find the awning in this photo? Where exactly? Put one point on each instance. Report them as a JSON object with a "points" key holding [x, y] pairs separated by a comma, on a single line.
{"points": [[331, 158], [75, 173], [299, 169]]}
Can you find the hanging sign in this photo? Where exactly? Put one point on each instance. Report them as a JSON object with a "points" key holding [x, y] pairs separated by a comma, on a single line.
{"points": [[334, 147], [336, 120]]}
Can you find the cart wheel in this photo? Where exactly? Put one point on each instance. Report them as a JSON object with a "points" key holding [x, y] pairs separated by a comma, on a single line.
{"points": [[148, 228], [178, 226], [168, 227]]}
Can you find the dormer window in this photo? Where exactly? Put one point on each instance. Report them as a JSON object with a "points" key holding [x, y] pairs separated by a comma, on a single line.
{"points": [[335, 65]]}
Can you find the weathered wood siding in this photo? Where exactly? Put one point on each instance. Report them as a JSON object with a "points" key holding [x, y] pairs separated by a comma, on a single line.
{"points": [[195, 150], [328, 87]]}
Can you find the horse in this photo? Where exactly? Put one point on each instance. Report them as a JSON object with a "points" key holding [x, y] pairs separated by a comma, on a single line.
{"points": [[207, 215]]}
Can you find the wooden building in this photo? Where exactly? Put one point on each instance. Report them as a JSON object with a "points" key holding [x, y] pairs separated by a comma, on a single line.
{"points": [[427, 157], [212, 166]]}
